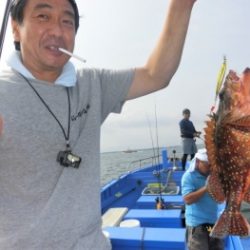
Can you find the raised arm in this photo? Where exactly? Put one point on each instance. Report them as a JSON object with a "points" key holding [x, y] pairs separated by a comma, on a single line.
{"points": [[194, 196], [165, 58]]}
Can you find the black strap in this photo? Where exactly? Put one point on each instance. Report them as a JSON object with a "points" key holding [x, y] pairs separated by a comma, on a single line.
{"points": [[66, 135]]}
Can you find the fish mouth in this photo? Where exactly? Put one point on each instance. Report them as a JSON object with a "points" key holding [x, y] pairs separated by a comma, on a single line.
{"points": [[245, 129]]}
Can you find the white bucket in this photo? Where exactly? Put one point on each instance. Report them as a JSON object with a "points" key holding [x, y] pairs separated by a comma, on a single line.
{"points": [[106, 233], [130, 223]]}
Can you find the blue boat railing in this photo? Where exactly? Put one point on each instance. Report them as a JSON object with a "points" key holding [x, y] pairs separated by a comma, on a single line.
{"points": [[152, 160]]}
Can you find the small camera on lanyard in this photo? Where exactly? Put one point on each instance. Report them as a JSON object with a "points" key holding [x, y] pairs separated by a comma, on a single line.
{"points": [[68, 159]]}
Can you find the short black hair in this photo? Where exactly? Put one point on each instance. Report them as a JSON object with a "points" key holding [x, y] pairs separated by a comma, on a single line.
{"points": [[186, 111], [17, 14]]}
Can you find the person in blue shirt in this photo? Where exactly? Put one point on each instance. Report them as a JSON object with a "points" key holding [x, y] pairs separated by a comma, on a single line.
{"points": [[201, 211], [188, 133]]}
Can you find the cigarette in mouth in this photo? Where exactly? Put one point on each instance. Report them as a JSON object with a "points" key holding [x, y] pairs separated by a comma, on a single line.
{"points": [[71, 54]]}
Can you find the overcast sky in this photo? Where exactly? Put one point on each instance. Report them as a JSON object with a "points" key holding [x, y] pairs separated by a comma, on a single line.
{"points": [[122, 33]]}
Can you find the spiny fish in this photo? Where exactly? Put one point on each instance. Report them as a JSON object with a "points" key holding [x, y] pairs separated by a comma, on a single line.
{"points": [[227, 139]]}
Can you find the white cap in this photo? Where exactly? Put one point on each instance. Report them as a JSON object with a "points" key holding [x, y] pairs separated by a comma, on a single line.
{"points": [[201, 155]]}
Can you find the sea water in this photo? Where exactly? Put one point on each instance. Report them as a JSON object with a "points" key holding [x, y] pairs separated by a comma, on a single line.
{"points": [[114, 164]]}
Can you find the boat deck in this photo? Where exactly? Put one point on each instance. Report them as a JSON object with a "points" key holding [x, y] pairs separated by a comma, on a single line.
{"points": [[157, 229]]}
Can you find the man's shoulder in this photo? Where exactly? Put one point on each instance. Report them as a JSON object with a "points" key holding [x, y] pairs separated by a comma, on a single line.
{"points": [[187, 175], [8, 75], [187, 183], [190, 174], [185, 121], [6, 71], [85, 72], [182, 121], [97, 74]]}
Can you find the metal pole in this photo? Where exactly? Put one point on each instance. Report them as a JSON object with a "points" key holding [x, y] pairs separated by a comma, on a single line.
{"points": [[4, 25]]}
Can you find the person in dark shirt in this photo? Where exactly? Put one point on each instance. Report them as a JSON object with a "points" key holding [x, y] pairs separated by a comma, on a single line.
{"points": [[188, 134]]}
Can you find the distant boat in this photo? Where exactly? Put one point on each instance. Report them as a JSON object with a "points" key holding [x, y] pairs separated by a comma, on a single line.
{"points": [[130, 151]]}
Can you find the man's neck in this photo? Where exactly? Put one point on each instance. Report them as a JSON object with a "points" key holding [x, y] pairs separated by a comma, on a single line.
{"points": [[66, 78], [43, 74], [47, 76]]}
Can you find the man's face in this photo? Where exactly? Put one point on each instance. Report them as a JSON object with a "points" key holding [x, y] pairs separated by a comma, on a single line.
{"points": [[47, 25], [186, 116], [203, 167]]}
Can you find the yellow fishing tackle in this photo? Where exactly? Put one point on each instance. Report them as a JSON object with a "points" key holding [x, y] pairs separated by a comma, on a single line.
{"points": [[221, 77]]}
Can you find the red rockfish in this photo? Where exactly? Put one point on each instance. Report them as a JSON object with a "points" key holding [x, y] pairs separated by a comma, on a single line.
{"points": [[227, 139]]}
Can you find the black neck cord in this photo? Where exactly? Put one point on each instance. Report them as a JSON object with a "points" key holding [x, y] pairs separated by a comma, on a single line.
{"points": [[66, 136]]}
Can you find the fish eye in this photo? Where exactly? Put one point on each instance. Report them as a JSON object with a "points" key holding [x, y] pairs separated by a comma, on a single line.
{"points": [[221, 95]]}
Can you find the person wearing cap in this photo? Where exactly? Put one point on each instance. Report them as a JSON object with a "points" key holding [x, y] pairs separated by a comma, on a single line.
{"points": [[188, 134], [201, 211], [50, 126]]}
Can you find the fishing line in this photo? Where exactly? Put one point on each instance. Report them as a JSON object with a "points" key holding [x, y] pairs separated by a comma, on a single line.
{"points": [[157, 137], [152, 141], [201, 139], [159, 200], [157, 172]]}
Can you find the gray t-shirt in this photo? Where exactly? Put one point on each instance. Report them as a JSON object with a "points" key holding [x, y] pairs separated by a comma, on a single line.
{"points": [[43, 205]]}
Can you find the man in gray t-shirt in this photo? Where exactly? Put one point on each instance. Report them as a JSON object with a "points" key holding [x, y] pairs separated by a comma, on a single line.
{"points": [[50, 118]]}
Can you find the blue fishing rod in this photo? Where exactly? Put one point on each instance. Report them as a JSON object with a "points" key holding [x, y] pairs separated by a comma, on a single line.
{"points": [[4, 24]]}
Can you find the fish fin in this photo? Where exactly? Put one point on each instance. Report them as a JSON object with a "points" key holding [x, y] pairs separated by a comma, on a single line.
{"points": [[214, 185], [230, 223], [215, 188], [210, 145], [247, 196]]}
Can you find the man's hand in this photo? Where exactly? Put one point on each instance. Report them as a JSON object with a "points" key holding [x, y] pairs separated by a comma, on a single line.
{"points": [[197, 134], [207, 180]]}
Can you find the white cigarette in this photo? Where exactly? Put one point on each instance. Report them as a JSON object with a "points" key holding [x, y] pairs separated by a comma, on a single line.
{"points": [[71, 54]]}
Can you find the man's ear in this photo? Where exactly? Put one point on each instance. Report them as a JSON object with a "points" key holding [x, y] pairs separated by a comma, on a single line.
{"points": [[15, 30]]}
